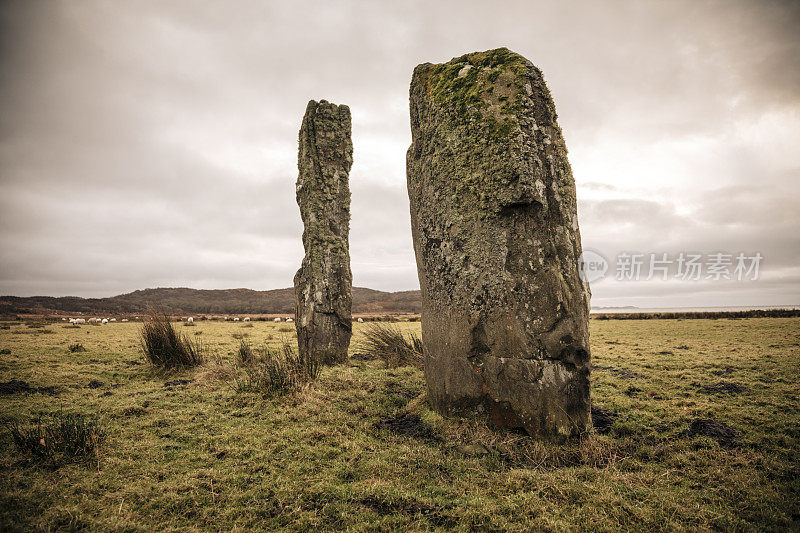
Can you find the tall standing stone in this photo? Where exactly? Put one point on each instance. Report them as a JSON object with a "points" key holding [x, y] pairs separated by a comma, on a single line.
{"points": [[323, 285], [494, 221]]}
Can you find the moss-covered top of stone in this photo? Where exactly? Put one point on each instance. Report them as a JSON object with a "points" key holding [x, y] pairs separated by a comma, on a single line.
{"points": [[499, 57], [479, 96], [463, 80], [490, 120]]}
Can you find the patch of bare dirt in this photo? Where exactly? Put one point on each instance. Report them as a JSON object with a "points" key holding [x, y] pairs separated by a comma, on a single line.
{"points": [[723, 387], [722, 372], [178, 382], [623, 373], [437, 515], [16, 386], [407, 425], [134, 411], [708, 427], [632, 391], [603, 419], [363, 357]]}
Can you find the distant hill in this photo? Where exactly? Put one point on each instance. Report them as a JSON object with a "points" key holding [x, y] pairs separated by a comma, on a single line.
{"points": [[196, 301]]}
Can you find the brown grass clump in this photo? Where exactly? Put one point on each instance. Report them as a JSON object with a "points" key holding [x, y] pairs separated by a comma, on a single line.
{"points": [[388, 343], [273, 372], [244, 355], [164, 347], [59, 437]]}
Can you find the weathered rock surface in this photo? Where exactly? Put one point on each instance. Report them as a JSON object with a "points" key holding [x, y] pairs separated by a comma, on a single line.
{"points": [[323, 285], [494, 221]]}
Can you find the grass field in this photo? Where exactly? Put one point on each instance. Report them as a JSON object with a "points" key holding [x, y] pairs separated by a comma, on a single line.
{"points": [[360, 449]]}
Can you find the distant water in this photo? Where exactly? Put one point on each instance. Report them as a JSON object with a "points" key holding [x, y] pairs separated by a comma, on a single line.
{"points": [[689, 309]]}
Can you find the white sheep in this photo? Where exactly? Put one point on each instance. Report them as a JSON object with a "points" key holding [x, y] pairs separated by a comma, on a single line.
{"points": [[276, 319], [113, 320], [190, 320], [236, 319], [289, 320], [360, 319], [80, 321], [247, 319], [124, 320], [104, 321]]}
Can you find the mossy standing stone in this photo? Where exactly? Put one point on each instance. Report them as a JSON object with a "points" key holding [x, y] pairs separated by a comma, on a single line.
{"points": [[495, 228], [323, 285]]}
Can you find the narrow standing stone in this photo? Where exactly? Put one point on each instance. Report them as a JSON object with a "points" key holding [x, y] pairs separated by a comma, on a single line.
{"points": [[495, 228], [323, 285]]}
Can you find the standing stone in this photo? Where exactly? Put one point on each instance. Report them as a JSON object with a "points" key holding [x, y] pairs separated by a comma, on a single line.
{"points": [[323, 285], [495, 227]]}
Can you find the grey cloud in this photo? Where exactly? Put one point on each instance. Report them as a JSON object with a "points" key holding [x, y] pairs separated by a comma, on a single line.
{"points": [[153, 143], [595, 186]]}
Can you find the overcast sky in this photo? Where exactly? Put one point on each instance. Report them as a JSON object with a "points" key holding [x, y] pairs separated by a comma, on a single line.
{"points": [[154, 143]]}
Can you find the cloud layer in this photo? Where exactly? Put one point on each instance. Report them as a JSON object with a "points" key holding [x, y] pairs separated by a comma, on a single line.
{"points": [[154, 144]]}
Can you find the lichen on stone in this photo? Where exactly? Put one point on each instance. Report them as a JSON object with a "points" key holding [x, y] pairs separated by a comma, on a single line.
{"points": [[494, 218], [323, 285]]}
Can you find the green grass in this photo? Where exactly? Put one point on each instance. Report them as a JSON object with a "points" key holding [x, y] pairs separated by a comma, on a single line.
{"points": [[359, 449]]}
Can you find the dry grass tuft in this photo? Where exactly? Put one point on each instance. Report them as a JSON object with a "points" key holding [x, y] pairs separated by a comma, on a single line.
{"points": [[244, 355], [59, 437], [164, 347], [273, 372], [388, 343]]}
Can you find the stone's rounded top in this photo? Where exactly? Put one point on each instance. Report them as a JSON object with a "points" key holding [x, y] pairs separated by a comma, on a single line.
{"points": [[324, 104], [465, 80], [497, 58], [492, 58]]}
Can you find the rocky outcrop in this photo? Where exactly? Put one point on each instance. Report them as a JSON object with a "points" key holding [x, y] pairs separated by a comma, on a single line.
{"points": [[494, 221], [323, 285]]}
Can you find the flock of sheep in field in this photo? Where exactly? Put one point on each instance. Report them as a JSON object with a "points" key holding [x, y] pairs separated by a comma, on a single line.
{"points": [[189, 320], [92, 320]]}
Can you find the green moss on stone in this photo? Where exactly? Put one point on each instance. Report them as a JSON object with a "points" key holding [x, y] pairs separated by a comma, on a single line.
{"points": [[485, 104]]}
